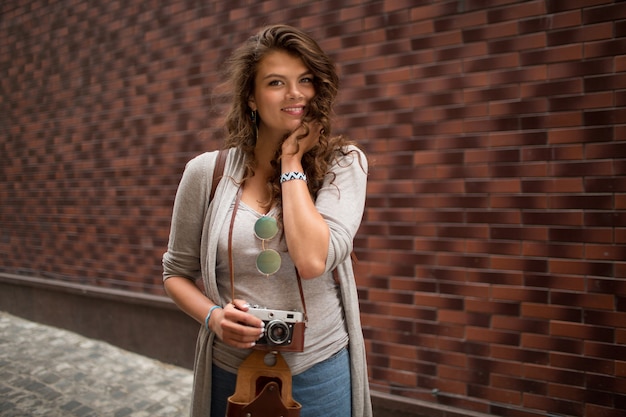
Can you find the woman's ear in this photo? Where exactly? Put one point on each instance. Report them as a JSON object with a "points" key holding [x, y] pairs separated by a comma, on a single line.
{"points": [[252, 103]]}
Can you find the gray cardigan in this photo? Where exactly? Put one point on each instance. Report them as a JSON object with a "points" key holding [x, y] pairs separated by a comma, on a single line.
{"points": [[192, 253]]}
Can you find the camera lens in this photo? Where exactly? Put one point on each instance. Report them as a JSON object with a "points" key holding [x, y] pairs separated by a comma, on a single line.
{"points": [[277, 332]]}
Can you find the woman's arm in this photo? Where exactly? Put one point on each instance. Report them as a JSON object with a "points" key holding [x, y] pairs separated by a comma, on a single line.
{"points": [[231, 324], [181, 262], [306, 232], [315, 230]]}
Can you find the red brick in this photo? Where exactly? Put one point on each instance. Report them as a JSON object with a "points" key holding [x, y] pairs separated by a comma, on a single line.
{"points": [[540, 372], [592, 67], [519, 384], [605, 350], [549, 403], [507, 186], [523, 107], [594, 235], [498, 248], [605, 252], [550, 342], [604, 13], [492, 336], [563, 250], [507, 60], [508, 353], [580, 267], [457, 21], [605, 150], [493, 31], [586, 364], [589, 395], [593, 410], [495, 394], [606, 318], [549, 312], [518, 294], [582, 201], [570, 169], [581, 34], [620, 63], [422, 12], [580, 331], [551, 55], [561, 119], [620, 369]]}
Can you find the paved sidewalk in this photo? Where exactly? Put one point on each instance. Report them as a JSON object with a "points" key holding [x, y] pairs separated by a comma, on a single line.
{"points": [[45, 371]]}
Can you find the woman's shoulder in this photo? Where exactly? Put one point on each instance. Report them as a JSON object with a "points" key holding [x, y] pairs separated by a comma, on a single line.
{"points": [[199, 168], [350, 154], [203, 161]]}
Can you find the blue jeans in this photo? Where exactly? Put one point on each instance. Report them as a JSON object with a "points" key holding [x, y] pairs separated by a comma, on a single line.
{"points": [[323, 390]]}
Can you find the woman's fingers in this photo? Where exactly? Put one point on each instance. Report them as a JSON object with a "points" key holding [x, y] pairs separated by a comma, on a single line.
{"points": [[296, 143], [239, 328]]}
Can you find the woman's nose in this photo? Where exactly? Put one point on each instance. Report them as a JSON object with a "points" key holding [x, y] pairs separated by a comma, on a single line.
{"points": [[294, 93]]}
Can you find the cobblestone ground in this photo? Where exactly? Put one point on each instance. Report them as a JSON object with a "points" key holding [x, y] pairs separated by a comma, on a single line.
{"points": [[45, 371]]}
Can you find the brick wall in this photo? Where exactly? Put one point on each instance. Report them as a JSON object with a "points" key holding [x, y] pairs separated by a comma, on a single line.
{"points": [[492, 273]]}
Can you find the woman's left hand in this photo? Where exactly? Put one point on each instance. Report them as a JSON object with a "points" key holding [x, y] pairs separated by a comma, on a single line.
{"points": [[295, 146]]}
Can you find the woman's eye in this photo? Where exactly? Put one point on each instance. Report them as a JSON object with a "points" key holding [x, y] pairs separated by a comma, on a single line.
{"points": [[275, 82], [307, 80]]}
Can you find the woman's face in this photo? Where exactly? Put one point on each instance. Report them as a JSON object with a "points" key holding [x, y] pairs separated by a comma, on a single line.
{"points": [[283, 87]]}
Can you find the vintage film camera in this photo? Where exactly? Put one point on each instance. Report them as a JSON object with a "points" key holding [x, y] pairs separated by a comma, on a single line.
{"points": [[284, 330]]}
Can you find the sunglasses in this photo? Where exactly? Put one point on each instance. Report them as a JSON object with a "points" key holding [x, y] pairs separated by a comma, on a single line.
{"points": [[268, 261]]}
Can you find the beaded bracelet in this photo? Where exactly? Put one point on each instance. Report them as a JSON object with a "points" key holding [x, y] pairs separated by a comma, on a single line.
{"points": [[288, 176], [208, 317]]}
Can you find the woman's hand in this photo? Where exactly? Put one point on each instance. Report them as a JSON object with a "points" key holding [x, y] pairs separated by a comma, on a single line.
{"points": [[235, 327], [294, 146]]}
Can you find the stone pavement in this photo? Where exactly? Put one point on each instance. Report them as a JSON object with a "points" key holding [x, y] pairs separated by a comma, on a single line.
{"points": [[45, 371]]}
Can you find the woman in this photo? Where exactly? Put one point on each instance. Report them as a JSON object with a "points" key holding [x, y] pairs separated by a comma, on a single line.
{"points": [[282, 164]]}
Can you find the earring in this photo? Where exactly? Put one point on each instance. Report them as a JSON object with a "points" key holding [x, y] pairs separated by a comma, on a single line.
{"points": [[256, 128]]}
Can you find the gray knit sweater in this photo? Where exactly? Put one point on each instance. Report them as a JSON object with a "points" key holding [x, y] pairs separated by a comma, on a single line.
{"points": [[192, 252]]}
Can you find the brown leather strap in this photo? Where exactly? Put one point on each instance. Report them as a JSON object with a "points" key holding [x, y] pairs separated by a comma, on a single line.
{"points": [[218, 171], [232, 266], [306, 316]]}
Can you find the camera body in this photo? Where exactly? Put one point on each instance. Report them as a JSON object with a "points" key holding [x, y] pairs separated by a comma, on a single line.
{"points": [[284, 330]]}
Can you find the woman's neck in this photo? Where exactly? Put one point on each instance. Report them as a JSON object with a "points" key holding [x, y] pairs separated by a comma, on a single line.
{"points": [[264, 153]]}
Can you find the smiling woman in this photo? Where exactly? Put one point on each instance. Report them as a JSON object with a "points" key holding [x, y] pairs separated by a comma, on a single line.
{"points": [[283, 85], [283, 169]]}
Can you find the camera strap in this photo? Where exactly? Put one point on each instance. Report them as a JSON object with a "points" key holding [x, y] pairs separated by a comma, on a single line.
{"points": [[231, 265]]}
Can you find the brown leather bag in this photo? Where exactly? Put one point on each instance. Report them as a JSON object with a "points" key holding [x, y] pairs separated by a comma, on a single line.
{"points": [[263, 389]]}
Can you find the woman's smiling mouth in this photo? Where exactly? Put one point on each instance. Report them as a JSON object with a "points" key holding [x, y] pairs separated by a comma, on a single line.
{"points": [[296, 111]]}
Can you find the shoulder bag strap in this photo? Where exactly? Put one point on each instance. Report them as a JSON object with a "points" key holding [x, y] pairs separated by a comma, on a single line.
{"points": [[218, 171]]}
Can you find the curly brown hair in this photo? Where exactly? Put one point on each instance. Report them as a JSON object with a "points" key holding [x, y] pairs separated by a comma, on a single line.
{"points": [[241, 70]]}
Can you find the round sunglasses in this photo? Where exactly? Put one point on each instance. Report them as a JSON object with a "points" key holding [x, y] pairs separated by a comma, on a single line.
{"points": [[268, 260]]}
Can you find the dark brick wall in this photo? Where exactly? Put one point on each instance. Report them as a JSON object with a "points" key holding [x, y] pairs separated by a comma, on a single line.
{"points": [[492, 273]]}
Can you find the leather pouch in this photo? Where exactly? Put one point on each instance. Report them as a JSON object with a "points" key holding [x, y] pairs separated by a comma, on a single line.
{"points": [[263, 388]]}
